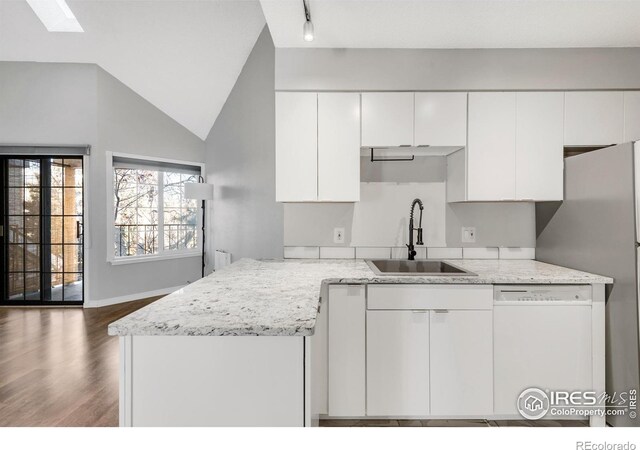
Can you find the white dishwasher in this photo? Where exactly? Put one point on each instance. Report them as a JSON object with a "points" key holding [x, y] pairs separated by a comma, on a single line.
{"points": [[542, 338]]}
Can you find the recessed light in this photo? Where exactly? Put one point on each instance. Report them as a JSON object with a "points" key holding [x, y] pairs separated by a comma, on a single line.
{"points": [[56, 15]]}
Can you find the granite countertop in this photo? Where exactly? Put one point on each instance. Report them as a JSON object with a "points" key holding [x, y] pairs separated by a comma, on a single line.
{"points": [[280, 297]]}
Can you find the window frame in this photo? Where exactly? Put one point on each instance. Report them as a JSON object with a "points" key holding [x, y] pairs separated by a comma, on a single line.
{"points": [[162, 253]]}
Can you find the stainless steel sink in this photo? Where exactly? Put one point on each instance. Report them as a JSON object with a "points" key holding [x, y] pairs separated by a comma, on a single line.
{"points": [[423, 267]]}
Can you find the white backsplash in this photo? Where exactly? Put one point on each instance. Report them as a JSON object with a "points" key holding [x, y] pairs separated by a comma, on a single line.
{"points": [[381, 217]]}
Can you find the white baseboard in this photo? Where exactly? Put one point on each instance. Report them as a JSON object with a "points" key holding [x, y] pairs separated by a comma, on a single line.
{"points": [[129, 297]]}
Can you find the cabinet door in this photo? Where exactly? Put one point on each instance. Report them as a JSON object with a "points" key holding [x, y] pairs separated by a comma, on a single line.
{"points": [[339, 147], [593, 118], [347, 308], [387, 119], [441, 118], [397, 363], [296, 146], [539, 146], [631, 116], [492, 141], [543, 346], [461, 362], [319, 362]]}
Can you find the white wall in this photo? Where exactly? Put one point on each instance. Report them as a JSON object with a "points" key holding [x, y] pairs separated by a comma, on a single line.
{"points": [[81, 104]]}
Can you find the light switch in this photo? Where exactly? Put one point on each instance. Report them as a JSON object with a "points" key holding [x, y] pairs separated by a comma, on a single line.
{"points": [[468, 234], [338, 235]]}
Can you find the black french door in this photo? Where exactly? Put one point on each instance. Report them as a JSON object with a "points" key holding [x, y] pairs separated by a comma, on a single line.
{"points": [[42, 206]]}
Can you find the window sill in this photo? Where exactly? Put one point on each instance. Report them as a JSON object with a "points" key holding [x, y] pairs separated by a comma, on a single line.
{"points": [[151, 258]]}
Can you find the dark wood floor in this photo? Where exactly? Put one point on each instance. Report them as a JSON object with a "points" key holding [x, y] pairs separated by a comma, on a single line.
{"points": [[454, 423], [58, 366]]}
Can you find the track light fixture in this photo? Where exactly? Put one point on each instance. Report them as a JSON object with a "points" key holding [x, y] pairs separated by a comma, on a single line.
{"points": [[307, 29]]}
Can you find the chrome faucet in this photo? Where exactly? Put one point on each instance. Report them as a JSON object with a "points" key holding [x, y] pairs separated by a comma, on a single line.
{"points": [[412, 251]]}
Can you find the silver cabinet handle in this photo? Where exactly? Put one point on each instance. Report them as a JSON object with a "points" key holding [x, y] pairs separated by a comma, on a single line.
{"points": [[441, 311], [419, 311]]}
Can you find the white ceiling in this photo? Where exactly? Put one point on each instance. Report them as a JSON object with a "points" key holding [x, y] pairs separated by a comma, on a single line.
{"points": [[182, 56], [456, 24]]}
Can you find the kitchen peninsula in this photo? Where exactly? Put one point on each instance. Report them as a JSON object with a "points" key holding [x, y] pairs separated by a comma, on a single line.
{"points": [[254, 344]]}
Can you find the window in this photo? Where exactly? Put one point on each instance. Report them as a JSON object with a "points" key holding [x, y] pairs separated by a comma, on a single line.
{"points": [[151, 215]]}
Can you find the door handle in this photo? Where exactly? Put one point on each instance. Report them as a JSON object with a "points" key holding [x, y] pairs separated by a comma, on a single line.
{"points": [[78, 229]]}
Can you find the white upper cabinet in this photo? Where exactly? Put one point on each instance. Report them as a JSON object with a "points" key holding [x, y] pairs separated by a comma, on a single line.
{"points": [[387, 119], [491, 149], [593, 118], [441, 118], [339, 147], [631, 116], [515, 149], [317, 147], [296, 146], [539, 149]]}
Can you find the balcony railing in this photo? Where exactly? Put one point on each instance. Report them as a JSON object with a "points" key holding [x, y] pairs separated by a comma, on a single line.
{"points": [[142, 239]]}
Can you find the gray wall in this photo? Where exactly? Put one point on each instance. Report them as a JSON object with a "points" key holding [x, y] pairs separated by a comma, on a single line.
{"points": [[245, 218], [490, 69], [127, 123], [42, 103]]}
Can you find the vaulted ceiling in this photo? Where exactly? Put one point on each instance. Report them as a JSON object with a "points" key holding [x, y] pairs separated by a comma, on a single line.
{"points": [[182, 56], [456, 24]]}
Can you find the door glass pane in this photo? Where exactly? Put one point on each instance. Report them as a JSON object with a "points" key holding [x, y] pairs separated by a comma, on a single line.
{"points": [[57, 258], [56, 230], [56, 201], [16, 201], [72, 286], [32, 201], [57, 176], [16, 230], [56, 287], [72, 229], [73, 172], [15, 172], [16, 258], [16, 286], [32, 173], [32, 258], [32, 229], [73, 258], [32, 285]]}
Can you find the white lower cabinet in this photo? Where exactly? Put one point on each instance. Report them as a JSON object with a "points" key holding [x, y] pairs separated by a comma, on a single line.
{"points": [[543, 346], [461, 360], [346, 379], [397, 363]]}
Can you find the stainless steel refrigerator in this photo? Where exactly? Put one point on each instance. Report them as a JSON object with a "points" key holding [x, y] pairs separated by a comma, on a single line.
{"points": [[597, 229]]}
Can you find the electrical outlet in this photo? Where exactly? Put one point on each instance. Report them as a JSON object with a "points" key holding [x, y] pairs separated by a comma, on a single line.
{"points": [[338, 235], [468, 234]]}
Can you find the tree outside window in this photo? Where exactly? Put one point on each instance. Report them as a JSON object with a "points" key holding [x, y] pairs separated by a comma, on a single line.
{"points": [[151, 213]]}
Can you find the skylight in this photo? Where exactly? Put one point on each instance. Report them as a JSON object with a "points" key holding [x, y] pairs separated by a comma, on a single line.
{"points": [[56, 15]]}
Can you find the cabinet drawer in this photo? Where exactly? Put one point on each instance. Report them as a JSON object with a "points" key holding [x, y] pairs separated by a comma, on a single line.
{"points": [[420, 296]]}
